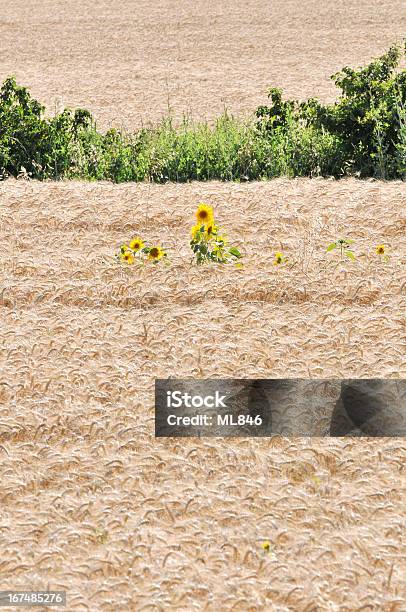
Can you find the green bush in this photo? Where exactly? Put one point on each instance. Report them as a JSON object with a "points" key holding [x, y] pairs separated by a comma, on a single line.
{"points": [[367, 122], [362, 134], [29, 142]]}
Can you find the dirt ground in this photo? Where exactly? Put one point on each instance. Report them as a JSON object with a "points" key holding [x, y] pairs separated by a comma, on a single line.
{"points": [[127, 60], [91, 502]]}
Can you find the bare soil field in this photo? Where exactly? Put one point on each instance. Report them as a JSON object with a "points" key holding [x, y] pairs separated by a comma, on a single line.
{"points": [[91, 502], [126, 60]]}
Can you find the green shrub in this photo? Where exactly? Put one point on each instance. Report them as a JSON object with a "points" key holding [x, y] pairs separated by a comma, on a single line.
{"points": [[29, 142], [362, 134], [367, 128], [401, 143]]}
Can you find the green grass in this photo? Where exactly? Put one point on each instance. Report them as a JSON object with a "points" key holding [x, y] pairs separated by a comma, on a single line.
{"points": [[362, 134]]}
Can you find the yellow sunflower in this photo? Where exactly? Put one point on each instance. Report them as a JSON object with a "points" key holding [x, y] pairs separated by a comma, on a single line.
{"points": [[195, 231], [279, 258], [211, 229], [380, 249], [128, 257], [156, 253], [136, 244], [205, 215], [266, 546]]}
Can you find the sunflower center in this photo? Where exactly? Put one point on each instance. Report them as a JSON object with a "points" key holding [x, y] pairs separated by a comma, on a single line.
{"points": [[154, 252], [203, 214]]}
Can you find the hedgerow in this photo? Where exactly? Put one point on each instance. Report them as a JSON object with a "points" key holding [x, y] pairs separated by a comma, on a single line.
{"points": [[362, 134]]}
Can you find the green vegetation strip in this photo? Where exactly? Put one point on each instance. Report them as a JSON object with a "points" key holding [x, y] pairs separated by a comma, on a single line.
{"points": [[362, 134]]}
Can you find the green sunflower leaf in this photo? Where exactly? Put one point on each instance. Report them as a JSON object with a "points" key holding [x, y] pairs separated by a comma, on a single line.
{"points": [[235, 252]]}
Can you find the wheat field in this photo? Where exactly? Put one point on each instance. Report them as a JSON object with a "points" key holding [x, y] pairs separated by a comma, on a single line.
{"points": [[128, 61], [90, 501]]}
